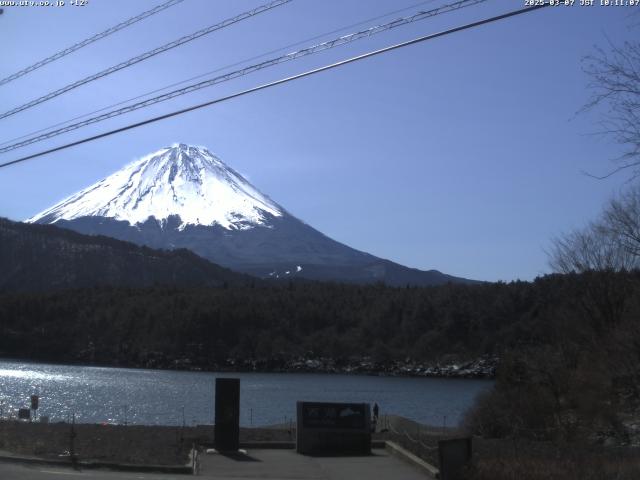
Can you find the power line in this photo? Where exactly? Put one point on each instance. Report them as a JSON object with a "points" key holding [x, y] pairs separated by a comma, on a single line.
{"points": [[219, 69], [281, 81], [87, 41], [250, 69], [146, 55]]}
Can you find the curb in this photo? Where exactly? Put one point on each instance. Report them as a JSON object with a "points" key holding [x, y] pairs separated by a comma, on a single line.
{"points": [[409, 457], [33, 460], [126, 467]]}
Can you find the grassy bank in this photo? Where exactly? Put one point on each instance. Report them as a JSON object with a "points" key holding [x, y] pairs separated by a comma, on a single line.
{"points": [[134, 444], [516, 458], [510, 459]]}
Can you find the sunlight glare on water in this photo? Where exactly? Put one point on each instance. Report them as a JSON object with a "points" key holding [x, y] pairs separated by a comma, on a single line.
{"points": [[28, 374], [165, 397]]}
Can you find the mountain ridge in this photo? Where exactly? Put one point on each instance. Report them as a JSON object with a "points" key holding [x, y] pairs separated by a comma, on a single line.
{"points": [[185, 197], [46, 257]]}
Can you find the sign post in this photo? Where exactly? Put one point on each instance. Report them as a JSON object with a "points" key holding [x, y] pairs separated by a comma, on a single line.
{"points": [[34, 405]]}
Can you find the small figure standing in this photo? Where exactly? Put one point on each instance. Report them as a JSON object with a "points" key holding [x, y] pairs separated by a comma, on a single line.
{"points": [[374, 421]]}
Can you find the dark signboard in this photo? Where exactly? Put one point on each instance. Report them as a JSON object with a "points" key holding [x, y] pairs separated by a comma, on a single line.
{"points": [[334, 415], [227, 428], [342, 428], [24, 414]]}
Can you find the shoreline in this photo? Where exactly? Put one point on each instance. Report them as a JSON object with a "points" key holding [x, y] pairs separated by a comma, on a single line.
{"points": [[483, 368]]}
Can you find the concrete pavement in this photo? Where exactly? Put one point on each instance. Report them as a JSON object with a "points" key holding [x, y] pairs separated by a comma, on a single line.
{"points": [[14, 471], [286, 464]]}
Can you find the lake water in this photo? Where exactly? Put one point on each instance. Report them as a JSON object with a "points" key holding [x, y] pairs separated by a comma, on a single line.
{"points": [[161, 397]]}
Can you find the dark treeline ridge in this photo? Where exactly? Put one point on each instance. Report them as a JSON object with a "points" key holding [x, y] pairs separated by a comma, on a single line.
{"points": [[207, 326], [271, 324]]}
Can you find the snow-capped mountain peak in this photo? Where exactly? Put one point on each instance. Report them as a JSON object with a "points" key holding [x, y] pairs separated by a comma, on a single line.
{"points": [[182, 180]]}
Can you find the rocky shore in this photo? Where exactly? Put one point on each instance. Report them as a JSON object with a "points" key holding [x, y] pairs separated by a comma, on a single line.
{"points": [[483, 367]]}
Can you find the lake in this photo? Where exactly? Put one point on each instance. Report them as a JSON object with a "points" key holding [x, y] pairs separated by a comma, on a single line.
{"points": [[167, 397]]}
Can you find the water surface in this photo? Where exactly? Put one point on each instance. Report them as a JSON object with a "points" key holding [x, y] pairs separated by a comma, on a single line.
{"points": [[166, 397]]}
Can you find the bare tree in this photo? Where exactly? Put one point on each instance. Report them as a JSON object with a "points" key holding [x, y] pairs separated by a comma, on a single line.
{"points": [[615, 86], [622, 219], [611, 243], [592, 248]]}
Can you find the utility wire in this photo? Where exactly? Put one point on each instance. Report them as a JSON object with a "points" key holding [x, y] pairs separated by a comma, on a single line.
{"points": [[87, 41], [250, 69], [146, 55], [219, 69], [281, 81]]}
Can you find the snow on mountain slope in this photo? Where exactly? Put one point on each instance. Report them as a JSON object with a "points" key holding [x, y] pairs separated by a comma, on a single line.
{"points": [[179, 180]]}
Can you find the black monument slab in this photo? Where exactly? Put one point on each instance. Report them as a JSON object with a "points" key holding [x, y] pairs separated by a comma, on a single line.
{"points": [[227, 427]]}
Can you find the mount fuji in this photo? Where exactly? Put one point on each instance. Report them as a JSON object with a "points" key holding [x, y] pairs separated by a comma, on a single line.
{"points": [[183, 196]]}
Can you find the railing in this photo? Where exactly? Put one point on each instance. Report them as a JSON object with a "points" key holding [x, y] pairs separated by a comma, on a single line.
{"points": [[414, 440]]}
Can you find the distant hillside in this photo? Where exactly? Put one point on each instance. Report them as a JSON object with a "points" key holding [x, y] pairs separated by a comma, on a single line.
{"points": [[44, 257]]}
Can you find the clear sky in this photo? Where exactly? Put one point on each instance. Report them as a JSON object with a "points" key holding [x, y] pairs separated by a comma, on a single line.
{"points": [[462, 154]]}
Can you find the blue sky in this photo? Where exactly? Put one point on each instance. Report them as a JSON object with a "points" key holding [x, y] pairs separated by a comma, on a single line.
{"points": [[463, 154]]}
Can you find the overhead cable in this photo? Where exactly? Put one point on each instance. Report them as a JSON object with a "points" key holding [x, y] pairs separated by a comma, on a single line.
{"points": [[87, 41], [146, 55], [219, 69], [345, 39], [279, 82]]}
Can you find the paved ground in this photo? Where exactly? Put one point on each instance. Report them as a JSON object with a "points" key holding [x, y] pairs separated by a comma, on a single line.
{"points": [[12, 471], [286, 464], [257, 464]]}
